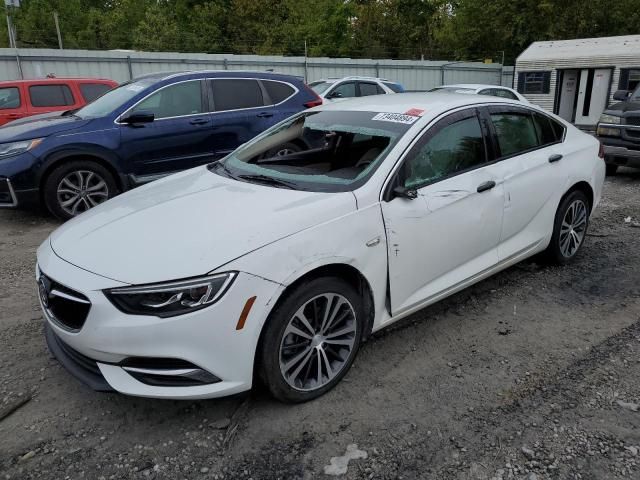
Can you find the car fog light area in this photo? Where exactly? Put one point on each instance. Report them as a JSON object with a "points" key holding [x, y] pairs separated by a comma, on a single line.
{"points": [[171, 298]]}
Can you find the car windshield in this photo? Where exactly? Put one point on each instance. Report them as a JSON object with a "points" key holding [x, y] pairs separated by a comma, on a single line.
{"points": [[320, 86], [113, 99], [325, 151]]}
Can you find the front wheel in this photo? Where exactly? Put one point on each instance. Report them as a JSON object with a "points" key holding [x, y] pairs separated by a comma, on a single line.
{"points": [[77, 186], [311, 339], [570, 228]]}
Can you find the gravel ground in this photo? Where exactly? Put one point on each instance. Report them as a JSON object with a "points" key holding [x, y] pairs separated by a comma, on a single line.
{"points": [[533, 374]]}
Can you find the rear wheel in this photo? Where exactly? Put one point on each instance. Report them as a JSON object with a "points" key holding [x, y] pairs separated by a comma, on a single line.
{"points": [[611, 169], [77, 186], [311, 339], [570, 228]]}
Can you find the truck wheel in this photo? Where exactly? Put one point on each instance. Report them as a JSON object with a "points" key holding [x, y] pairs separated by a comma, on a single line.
{"points": [[77, 186]]}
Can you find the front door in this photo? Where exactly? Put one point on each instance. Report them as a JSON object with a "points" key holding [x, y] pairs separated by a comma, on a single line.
{"points": [[450, 231], [177, 139]]}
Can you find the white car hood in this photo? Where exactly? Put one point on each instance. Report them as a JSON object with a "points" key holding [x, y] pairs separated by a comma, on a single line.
{"points": [[187, 225]]}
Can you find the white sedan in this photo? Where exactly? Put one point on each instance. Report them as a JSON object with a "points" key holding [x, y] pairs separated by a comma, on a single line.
{"points": [[277, 268], [479, 89]]}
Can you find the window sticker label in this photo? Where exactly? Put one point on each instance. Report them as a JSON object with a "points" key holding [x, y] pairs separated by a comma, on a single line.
{"points": [[395, 118], [416, 112]]}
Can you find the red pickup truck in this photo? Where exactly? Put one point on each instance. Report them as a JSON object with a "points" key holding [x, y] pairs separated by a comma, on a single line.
{"points": [[22, 98]]}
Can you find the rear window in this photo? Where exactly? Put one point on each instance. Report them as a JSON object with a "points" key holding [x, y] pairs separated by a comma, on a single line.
{"points": [[91, 91], [396, 87], [50, 95], [278, 91], [320, 86], [234, 94], [9, 98]]}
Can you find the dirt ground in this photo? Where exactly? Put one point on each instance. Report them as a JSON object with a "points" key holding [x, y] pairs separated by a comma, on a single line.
{"points": [[532, 374]]}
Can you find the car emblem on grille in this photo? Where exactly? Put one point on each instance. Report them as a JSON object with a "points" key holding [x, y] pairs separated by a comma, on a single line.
{"points": [[44, 293]]}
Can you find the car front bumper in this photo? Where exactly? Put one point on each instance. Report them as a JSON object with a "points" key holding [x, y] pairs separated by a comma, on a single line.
{"points": [[18, 181], [101, 352]]}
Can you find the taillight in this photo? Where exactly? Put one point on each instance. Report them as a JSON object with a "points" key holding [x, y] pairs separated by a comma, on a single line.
{"points": [[315, 102], [601, 151]]}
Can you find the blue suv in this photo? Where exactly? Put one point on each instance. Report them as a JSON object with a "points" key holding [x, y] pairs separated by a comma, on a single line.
{"points": [[140, 131]]}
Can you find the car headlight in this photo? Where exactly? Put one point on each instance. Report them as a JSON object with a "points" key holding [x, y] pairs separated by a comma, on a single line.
{"points": [[14, 148], [171, 298], [604, 118]]}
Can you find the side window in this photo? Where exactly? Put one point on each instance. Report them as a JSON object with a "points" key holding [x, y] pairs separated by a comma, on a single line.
{"points": [[502, 93], [344, 90], [234, 94], [91, 91], [50, 95], [278, 91], [629, 79], [367, 89], [454, 148], [516, 132], [174, 101], [9, 98], [544, 129]]}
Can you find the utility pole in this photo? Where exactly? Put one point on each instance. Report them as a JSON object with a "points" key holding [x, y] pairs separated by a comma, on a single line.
{"points": [[10, 31], [55, 19], [305, 61]]}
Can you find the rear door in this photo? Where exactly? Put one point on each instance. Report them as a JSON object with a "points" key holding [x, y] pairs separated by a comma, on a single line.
{"points": [[238, 113], [180, 136], [12, 103], [50, 97], [530, 148]]}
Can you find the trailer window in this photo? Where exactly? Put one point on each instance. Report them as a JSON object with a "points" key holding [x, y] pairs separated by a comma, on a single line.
{"points": [[534, 82]]}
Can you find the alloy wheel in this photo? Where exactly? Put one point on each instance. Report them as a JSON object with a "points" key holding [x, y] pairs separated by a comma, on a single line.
{"points": [[318, 341], [573, 228], [80, 190]]}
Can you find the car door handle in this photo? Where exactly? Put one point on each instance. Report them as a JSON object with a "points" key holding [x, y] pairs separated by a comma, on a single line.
{"points": [[555, 158], [264, 115], [483, 187], [199, 121]]}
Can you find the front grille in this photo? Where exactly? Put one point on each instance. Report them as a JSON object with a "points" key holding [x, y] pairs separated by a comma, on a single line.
{"points": [[633, 120], [633, 133], [65, 306]]}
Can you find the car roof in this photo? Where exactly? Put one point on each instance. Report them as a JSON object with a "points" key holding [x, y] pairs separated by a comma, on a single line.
{"points": [[352, 77], [222, 73], [430, 102], [55, 80], [472, 85]]}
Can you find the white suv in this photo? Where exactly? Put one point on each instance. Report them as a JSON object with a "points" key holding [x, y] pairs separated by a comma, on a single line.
{"points": [[333, 89]]}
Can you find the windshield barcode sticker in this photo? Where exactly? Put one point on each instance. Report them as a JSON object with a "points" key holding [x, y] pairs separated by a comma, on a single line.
{"points": [[395, 118]]}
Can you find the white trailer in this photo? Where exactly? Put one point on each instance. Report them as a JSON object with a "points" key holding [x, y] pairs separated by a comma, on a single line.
{"points": [[577, 79]]}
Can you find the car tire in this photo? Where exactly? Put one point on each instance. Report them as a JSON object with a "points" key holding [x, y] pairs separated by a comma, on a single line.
{"points": [[290, 353], [611, 169], [569, 229], [77, 186]]}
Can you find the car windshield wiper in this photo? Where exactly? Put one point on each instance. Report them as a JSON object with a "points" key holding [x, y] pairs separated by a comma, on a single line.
{"points": [[218, 165], [267, 180]]}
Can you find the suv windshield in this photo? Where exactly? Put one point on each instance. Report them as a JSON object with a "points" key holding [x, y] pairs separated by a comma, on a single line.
{"points": [[635, 96], [113, 99], [326, 151], [320, 86]]}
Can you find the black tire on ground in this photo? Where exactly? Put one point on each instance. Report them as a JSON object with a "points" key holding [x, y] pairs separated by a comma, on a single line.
{"points": [[269, 354], [554, 252], [58, 194], [611, 169]]}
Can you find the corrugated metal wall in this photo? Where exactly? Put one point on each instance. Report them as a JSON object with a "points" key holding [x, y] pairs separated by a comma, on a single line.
{"points": [[122, 65]]}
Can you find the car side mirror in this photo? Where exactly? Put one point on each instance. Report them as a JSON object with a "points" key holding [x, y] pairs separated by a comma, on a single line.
{"points": [[404, 192], [142, 116], [335, 95], [621, 95]]}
